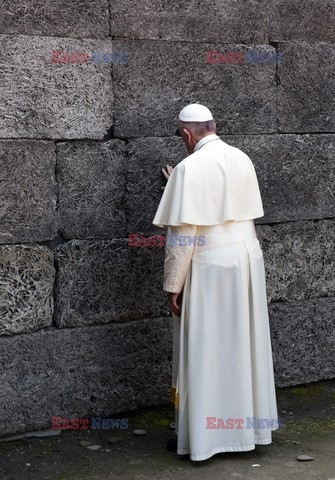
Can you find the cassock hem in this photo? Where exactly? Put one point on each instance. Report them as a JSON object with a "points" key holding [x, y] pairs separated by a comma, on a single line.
{"points": [[205, 456]]}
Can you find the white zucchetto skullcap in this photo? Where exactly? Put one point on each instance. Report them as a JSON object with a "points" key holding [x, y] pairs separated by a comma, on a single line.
{"points": [[195, 113]]}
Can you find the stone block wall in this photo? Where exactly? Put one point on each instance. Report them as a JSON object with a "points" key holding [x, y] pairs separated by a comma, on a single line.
{"points": [[84, 323]]}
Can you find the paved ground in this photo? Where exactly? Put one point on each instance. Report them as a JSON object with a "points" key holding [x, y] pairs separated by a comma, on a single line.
{"points": [[308, 414]]}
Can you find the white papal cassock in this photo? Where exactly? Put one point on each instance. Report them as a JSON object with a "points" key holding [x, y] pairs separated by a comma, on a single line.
{"points": [[222, 379]]}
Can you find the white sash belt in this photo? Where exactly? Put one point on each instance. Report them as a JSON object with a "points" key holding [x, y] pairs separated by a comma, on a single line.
{"points": [[215, 236]]}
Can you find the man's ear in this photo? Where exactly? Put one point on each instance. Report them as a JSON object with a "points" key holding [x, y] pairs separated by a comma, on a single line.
{"points": [[188, 135]]}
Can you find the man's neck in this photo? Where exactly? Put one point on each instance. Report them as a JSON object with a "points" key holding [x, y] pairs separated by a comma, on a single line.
{"points": [[201, 141]]}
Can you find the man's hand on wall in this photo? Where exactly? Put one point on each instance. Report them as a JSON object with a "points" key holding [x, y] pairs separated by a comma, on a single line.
{"points": [[175, 300], [167, 172]]}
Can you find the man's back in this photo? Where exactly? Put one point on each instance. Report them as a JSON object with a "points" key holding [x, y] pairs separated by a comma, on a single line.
{"points": [[214, 184]]}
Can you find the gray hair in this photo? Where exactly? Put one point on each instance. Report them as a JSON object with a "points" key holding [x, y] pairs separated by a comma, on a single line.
{"points": [[198, 128]]}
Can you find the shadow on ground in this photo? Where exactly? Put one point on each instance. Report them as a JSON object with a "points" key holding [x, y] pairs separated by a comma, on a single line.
{"points": [[307, 413]]}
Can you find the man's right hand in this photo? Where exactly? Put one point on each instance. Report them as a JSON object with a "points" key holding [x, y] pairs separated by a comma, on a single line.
{"points": [[175, 300], [167, 172]]}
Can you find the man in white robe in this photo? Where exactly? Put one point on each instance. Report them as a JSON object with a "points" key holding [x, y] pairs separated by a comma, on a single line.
{"points": [[222, 379]]}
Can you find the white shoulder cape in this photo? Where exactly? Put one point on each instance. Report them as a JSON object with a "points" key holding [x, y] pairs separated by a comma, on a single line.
{"points": [[216, 183]]}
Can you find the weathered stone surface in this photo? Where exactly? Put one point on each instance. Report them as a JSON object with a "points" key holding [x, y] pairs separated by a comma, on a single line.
{"points": [[146, 158], [299, 259], [41, 99], [224, 21], [83, 372], [162, 77], [108, 281], [306, 100], [28, 191], [310, 20], [91, 178], [77, 18], [26, 288], [103, 370], [303, 341], [296, 174]]}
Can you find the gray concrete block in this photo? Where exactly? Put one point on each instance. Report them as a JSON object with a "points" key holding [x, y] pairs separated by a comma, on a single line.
{"points": [[83, 372], [296, 174], [108, 281], [42, 99], [299, 259], [26, 292], [146, 158], [162, 77], [91, 182], [306, 100], [79, 18], [28, 191], [303, 341], [104, 370], [308, 20], [224, 21]]}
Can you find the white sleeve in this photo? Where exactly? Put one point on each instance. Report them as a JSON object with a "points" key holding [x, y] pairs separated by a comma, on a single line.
{"points": [[179, 247]]}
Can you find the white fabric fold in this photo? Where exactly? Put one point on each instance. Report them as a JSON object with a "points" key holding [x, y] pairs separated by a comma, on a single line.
{"points": [[178, 256], [222, 355], [216, 183]]}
